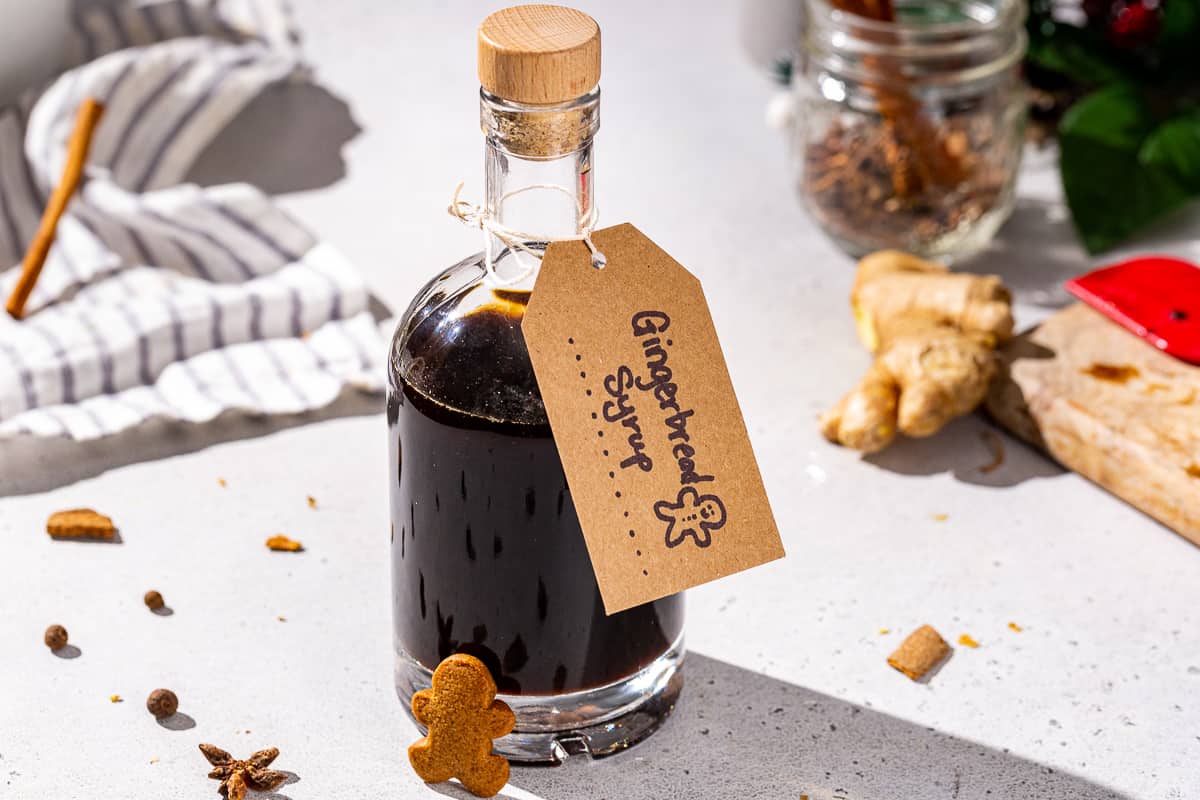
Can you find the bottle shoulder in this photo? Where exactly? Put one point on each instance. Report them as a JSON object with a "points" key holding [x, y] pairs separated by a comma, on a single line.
{"points": [[459, 345]]}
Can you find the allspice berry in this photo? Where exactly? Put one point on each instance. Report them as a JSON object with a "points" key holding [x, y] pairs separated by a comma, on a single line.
{"points": [[56, 637], [154, 600], [162, 703]]}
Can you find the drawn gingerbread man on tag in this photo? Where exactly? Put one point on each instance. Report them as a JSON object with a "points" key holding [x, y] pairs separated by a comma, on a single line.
{"points": [[463, 717], [692, 515]]}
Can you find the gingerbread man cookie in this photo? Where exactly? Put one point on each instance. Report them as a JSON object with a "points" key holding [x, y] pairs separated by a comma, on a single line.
{"points": [[463, 717], [692, 516]]}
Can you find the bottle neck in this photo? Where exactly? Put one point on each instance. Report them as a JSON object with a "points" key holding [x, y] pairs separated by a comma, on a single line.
{"points": [[539, 181]]}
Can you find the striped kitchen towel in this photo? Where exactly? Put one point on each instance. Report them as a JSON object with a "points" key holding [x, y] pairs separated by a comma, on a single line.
{"points": [[161, 298]]}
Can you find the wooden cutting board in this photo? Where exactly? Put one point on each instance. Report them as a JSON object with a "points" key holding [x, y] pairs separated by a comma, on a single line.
{"points": [[1109, 406]]}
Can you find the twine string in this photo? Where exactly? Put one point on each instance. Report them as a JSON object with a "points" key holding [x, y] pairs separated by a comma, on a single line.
{"points": [[476, 216]]}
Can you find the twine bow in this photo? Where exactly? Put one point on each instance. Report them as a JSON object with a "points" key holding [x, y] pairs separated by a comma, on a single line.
{"points": [[476, 216]]}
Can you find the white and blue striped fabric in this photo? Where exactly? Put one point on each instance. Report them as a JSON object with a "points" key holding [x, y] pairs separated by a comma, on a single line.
{"points": [[160, 298]]}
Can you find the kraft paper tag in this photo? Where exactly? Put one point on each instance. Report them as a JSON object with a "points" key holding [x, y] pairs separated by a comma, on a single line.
{"points": [[647, 425]]}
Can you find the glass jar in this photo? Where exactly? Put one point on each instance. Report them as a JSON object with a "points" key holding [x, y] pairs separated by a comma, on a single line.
{"points": [[488, 557], [909, 133]]}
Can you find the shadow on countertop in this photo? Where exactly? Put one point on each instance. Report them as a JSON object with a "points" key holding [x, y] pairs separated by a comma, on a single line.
{"points": [[29, 465], [969, 449], [739, 734], [178, 721], [288, 139], [1035, 252], [67, 651], [1038, 249]]}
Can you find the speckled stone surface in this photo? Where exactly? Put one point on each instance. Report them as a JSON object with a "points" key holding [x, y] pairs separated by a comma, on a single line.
{"points": [[740, 732], [788, 691]]}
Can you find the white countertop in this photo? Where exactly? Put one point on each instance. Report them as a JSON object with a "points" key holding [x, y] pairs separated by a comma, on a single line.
{"points": [[787, 689]]}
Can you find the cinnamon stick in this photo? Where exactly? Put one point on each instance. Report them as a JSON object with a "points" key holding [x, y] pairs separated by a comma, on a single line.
{"points": [[871, 9], [86, 120], [928, 161]]}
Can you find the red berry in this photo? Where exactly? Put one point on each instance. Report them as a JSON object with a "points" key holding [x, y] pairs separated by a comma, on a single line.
{"points": [[1135, 23]]}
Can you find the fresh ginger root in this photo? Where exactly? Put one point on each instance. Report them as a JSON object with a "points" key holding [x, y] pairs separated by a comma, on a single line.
{"points": [[933, 333]]}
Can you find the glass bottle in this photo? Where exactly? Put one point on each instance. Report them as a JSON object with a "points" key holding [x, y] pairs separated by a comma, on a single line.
{"points": [[488, 557], [909, 132]]}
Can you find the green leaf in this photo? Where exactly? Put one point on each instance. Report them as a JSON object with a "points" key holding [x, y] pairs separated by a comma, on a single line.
{"points": [[1074, 52], [1117, 116], [1109, 189], [1181, 23], [1174, 52], [1174, 147]]}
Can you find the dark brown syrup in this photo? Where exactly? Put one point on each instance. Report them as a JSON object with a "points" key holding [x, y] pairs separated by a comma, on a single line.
{"points": [[487, 554]]}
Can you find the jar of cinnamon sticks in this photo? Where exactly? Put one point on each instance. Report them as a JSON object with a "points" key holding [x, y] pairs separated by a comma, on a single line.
{"points": [[911, 121]]}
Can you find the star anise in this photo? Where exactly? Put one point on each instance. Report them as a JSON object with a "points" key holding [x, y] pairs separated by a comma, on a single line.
{"points": [[236, 776]]}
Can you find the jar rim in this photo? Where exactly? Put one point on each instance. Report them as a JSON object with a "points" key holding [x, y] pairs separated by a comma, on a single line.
{"points": [[1005, 15], [953, 53]]}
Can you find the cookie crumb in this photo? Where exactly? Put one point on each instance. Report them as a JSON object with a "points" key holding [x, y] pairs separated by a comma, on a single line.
{"points": [[116, 698], [221, 482], [920, 652], [281, 618], [154, 760], [884, 631], [939, 517], [966, 641], [81, 523], [1012, 626], [281, 543], [312, 501]]}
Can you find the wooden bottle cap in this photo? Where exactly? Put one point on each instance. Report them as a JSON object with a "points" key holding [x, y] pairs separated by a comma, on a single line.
{"points": [[539, 54]]}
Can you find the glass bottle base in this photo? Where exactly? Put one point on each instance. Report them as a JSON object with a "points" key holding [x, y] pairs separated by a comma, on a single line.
{"points": [[596, 722]]}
